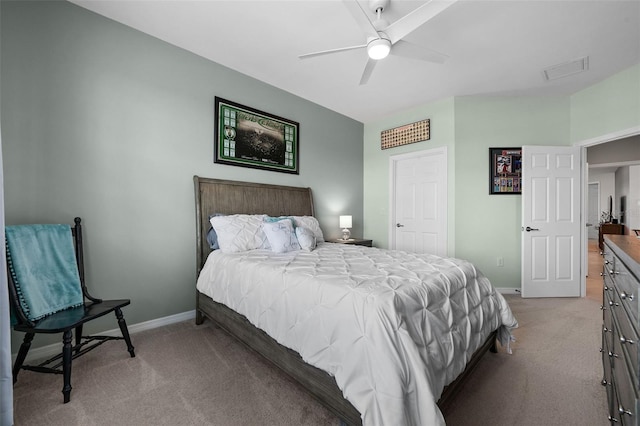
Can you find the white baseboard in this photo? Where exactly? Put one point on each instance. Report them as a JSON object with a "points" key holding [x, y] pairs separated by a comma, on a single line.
{"points": [[159, 322], [54, 349], [508, 290]]}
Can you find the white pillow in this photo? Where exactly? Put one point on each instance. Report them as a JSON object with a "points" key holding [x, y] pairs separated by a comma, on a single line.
{"points": [[239, 232], [306, 238], [281, 236], [311, 223]]}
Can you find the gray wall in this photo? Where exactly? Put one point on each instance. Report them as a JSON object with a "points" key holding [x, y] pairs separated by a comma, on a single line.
{"points": [[627, 180], [610, 164], [618, 151], [104, 122]]}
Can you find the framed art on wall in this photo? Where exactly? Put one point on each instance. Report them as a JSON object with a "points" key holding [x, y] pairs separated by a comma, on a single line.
{"points": [[247, 137], [505, 171], [404, 135]]}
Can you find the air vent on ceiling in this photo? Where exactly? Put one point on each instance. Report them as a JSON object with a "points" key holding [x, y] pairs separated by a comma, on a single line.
{"points": [[568, 68]]}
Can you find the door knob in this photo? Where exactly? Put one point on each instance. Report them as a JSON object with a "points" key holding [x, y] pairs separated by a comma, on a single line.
{"points": [[399, 225], [529, 229]]}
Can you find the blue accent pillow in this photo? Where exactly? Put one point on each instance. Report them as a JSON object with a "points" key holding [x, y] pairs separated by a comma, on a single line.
{"points": [[271, 219], [212, 237]]}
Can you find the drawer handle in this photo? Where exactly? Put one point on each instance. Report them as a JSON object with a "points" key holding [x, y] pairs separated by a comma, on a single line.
{"points": [[612, 355], [624, 340], [624, 296], [614, 303], [612, 419], [607, 288], [622, 411], [605, 329]]}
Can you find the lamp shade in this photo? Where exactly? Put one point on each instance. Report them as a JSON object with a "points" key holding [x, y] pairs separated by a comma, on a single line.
{"points": [[345, 221]]}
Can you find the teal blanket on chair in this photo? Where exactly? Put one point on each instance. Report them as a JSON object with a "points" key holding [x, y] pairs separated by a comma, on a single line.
{"points": [[42, 263]]}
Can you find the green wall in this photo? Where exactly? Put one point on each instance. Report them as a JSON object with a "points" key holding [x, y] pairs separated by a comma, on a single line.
{"points": [[107, 123], [481, 227], [489, 226], [610, 106], [376, 164]]}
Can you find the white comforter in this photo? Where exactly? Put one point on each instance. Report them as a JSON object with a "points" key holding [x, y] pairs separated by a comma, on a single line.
{"points": [[392, 327]]}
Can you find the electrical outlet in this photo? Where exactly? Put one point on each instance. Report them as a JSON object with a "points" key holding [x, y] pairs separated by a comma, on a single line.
{"points": [[500, 262]]}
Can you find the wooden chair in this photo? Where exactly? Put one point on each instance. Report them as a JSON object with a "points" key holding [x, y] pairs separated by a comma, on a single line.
{"points": [[32, 296]]}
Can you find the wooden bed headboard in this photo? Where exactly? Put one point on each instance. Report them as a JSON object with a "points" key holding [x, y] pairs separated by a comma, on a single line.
{"points": [[232, 197]]}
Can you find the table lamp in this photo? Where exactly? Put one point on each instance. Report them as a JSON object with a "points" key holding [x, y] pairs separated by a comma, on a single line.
{"points": [[345, 224]]}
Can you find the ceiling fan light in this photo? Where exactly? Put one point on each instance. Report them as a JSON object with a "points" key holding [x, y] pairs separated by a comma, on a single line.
{"points": [[379, 48]]}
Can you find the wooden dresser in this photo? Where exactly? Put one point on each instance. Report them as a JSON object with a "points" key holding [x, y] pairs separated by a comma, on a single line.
{"points": [[608, 228], [621, 327]]}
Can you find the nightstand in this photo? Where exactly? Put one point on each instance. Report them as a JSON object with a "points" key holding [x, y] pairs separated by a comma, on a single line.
{"points": [[355, 241]]}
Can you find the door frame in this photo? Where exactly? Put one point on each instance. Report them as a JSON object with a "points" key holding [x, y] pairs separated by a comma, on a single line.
{"points": [[608, 137], [393, 165]]}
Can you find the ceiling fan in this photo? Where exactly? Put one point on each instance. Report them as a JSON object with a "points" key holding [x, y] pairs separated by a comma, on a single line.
{"points": [[384, 38]]}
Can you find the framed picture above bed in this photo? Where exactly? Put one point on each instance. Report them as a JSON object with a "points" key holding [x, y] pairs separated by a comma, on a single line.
{"points": [[247, 137], [505, 171]]}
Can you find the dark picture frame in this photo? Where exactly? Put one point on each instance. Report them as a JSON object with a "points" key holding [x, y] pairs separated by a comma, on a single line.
{"points": [[248, 137], [505, 171]]}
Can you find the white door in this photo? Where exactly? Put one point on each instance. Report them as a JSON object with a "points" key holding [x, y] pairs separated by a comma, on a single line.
{"points": [[551, 227], [419, 202]]}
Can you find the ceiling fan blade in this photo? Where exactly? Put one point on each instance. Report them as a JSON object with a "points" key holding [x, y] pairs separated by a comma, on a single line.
{"points": [[326, 52], [411, 21], [361, 17], [368, 69], [413, 51]]}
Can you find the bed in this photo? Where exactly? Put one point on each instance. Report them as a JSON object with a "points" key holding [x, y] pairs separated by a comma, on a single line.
{"points": [[398, 384]]}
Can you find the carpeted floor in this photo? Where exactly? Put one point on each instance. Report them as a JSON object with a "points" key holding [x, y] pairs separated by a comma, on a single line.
{"points": [[553, 376], [197, 375], [182, 374]]}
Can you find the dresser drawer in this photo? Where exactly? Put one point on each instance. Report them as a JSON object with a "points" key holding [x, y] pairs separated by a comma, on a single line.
{"points": [[627, 287], [625, 333], [624, 381], [609, 258], [607, 317], [626, 410], [607, 380], [614, 415]]}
